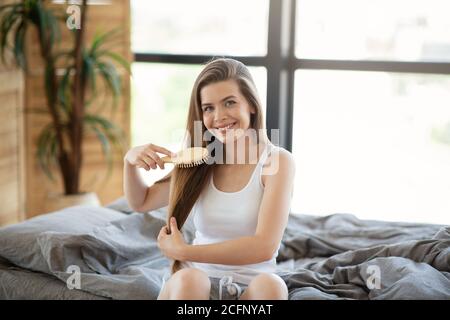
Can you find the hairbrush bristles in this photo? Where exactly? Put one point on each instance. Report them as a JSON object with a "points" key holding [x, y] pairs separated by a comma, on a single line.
{"points": [[189, 157], [192, 164]]}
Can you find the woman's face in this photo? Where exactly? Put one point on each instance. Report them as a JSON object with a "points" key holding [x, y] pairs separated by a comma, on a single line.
{"points": [[225, 110]]}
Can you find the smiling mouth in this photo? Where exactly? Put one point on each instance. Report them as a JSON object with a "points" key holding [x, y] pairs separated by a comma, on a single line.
{"points": [[224, 129]]}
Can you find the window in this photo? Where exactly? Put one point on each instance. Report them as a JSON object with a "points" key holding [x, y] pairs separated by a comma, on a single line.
{"points": [[232, 27], [374, 145], [357, 89], [402, 30]]}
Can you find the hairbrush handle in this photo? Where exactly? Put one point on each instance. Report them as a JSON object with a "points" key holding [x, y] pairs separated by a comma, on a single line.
{"points": [[167, 159]]}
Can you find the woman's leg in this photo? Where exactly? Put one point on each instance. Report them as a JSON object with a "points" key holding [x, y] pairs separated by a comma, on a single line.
{"points": [[266, 286], [187, 284]]}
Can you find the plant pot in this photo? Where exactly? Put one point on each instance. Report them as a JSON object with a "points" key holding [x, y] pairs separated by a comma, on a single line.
{"points": [[58, 201]]}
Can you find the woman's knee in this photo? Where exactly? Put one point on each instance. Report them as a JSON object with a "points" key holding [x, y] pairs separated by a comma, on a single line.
{"points": [[191, 278], [271, 285]]}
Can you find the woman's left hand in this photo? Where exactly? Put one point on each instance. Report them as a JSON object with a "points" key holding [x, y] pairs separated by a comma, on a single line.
{"points": [[171, 245]]}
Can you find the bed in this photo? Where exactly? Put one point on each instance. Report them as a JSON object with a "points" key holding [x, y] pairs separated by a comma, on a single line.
{"points": [[112, 251]]}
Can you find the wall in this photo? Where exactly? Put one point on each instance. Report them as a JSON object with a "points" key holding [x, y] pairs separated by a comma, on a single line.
{"points": [[101, 18], [12, 198]]}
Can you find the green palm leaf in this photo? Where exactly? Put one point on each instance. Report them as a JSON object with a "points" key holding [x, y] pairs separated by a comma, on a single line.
{"points": [[103, 39], [64, 91], [111, 78], [10, 19], [119, 59], [89, 70], [109, 135], [19, 45], [46, 155]]}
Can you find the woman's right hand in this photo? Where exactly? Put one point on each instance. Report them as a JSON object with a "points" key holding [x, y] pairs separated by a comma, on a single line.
{"points": [[146, 156]]}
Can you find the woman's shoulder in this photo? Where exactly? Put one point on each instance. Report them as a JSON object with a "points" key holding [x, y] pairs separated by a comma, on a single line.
{"points": [[278, 158], [278, 151]]}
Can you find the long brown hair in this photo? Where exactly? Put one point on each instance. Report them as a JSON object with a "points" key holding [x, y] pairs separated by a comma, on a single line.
{"points": [[186, 184]]}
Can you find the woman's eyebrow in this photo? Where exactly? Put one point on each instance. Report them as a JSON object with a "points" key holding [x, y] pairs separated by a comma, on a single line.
{"points": [[228, 97]]}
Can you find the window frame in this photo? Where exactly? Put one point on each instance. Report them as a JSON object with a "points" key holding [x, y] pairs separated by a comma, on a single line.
{"points": [[281, 64]]}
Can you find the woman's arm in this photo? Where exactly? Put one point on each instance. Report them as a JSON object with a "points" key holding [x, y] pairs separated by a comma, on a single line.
{"points": [[134, 187], [243, 250], [272, 220], [141, 197]]}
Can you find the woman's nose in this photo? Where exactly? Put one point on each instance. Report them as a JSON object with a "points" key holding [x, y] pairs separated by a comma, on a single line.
{"points": [[220, 113]]}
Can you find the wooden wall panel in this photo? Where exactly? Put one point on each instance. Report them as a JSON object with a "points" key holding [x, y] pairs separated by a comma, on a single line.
{"points": [[101, 18], [12, 196]]}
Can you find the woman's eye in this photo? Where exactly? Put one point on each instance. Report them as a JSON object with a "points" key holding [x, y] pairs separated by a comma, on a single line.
{"points": [[206, 109], [230, 102]]}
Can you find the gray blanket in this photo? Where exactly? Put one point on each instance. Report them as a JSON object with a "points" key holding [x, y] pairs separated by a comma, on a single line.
{"points": [[342, 257], [332, 257]]}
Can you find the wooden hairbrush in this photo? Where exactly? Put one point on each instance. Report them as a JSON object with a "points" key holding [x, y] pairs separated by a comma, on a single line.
{"points": [[189, 157]]}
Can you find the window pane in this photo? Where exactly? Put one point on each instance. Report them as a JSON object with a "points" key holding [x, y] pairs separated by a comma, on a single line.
{"points": [[409, 30], [376, 145], [160, 102], [231, 27]]}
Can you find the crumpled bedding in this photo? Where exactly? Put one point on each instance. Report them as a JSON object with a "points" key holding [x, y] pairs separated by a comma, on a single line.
{"points": [[342, 257], [332, 257]]}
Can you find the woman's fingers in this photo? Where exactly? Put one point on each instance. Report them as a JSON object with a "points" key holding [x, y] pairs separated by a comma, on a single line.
{"points": [[151, 157], [162, 150], [156, 158], [145, 158], [162, 232], [142, 164]]}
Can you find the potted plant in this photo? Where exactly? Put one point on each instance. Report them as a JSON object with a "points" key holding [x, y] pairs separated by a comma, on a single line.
{"points": [[70, 87]]}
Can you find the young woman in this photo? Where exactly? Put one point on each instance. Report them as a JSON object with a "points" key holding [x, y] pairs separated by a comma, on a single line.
{"points": [[239, 205]]}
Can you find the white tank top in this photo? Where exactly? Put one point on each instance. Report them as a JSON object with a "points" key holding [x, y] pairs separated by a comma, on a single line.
{"points": [[220, 216]]}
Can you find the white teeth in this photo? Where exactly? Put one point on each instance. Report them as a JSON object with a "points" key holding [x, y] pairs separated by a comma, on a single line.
{"points": [[227, 127]]}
